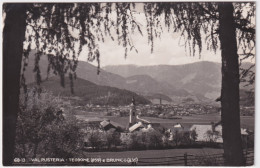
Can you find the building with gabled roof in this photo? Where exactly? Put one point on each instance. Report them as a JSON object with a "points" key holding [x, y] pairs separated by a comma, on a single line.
{"points": [[136, 127], [209, 132], [107, 125], [176, 128], [138, 124]]}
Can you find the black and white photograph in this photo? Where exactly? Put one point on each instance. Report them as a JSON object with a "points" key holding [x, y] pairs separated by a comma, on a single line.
{"points": [[128, 83]]}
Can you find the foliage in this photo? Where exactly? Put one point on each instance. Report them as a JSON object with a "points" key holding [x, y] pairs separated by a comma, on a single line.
{"points": [[182, 137], [177, 137], [196, 22], [154, 138], [112, 138], [193, 135], [150, 139], [212, 136], [63, 30], [50, 27], [126, 140], [186, 138], [43, 130], [95, 139]]}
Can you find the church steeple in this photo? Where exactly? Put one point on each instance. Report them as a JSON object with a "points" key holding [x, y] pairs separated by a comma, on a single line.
{"points": [[133, 100], [132, 115]]}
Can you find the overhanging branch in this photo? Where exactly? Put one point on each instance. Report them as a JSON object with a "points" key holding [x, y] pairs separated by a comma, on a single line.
{"points": [[245, 29]]}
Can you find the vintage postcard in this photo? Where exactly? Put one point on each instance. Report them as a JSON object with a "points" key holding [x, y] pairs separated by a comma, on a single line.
{"points": [[129, 83]]}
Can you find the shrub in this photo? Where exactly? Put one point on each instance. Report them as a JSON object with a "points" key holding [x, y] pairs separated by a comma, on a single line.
{"points": [[95, 139], [154, 139], [43, 129]]}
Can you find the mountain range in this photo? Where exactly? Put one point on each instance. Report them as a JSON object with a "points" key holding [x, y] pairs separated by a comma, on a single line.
{"points": [[202, 79], [86, 92], [96, 90], [199, 81]]}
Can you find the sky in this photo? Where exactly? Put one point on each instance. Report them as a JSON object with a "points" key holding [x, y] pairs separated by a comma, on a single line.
{"points": [[167, 50]]}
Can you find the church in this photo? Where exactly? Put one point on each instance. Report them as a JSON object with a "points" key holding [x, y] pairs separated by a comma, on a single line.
{"points": [[138, 124]]}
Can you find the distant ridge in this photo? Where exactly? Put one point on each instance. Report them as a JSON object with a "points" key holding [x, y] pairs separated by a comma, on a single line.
{"points": [[87, 92], [86, 71], [200, 81]]}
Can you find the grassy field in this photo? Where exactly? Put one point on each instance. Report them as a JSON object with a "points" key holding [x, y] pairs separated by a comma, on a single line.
{"points": [[173, 157], [154, 157]]}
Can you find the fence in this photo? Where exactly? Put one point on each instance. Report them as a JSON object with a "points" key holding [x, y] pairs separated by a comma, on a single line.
{"points": [[186, 160], [193, 160], [181, 160], [249, 156]]}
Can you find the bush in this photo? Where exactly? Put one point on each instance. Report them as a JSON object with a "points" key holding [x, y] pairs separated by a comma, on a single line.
{"points": [[154, 139], [143, 140], [126, 140], [44, 130], [95, 139]]}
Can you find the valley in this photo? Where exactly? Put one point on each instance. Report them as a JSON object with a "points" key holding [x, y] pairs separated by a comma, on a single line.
{"points": [[174, 84]]}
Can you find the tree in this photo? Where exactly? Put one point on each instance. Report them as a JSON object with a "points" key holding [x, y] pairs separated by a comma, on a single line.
{"points": [[42, 129], [13, 37], [186, 138], [212, 136], [222, 23], [177, 137], [126, 140], [95, 138], [166, 138], [112, 138], [230, 109], [154, 138], [49, 27], [193, 136]]}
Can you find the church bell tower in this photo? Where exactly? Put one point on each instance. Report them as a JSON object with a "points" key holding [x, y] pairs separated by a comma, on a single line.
{"points": [[132, 116]]}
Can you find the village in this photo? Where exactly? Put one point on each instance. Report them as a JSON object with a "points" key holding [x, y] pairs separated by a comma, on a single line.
{"points": [[139, 133], [157, 110], [167, 111]]}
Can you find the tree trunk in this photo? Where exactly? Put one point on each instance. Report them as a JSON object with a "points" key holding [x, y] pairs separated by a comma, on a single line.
{"points": [[35, 149], [13, 37], [230, 115]]}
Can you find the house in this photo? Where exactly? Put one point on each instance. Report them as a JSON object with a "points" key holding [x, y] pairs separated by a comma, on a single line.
{"points": [[136, 127], [211, 132], [107, 125], [177, 128], [148, 128]]}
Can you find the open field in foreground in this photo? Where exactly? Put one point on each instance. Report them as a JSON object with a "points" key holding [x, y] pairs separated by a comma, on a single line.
{"points": [[174, 157]]}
